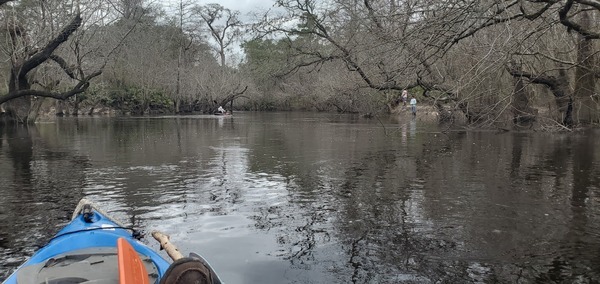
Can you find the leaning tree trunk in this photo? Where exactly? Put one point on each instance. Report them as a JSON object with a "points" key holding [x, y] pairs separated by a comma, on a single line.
{"points": [[18, 101], [559, 86]]}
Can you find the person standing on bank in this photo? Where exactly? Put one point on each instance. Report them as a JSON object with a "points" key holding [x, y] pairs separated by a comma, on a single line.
{"points": [[413, 105], [404, 97]]}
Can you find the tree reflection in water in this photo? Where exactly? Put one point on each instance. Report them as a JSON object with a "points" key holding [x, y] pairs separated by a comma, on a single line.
{"points": [[312, 198]]}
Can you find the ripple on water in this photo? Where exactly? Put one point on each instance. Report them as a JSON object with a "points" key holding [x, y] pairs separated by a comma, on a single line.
{"points": [[319, 202]]}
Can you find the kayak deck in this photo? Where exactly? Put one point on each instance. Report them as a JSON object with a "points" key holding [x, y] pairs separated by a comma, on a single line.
{"points": [[85, 251], [95, 249], [95, 265]]}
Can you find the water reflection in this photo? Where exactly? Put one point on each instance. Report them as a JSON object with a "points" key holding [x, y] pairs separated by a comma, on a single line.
{"points": [[35, 181], [314, 198]]}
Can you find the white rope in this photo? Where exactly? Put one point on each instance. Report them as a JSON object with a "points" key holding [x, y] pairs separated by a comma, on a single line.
{"points": [[84, 201]]}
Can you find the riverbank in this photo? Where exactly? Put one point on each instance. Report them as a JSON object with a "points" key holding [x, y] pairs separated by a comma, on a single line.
{"points": [[425, 113]]}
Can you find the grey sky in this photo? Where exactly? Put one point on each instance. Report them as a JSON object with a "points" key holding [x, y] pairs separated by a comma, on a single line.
{"points": [[245, 7]]}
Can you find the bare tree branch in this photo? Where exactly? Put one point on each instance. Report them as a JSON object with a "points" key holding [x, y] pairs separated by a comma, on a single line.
{"points": [[553, 83], [79, 88], [566, 20], [592, 3], [44, 54], [63, 64]]}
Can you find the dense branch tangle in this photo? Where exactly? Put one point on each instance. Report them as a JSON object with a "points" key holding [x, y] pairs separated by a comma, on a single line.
{"points": [[19, 84], [59, 38], [391, 45]]}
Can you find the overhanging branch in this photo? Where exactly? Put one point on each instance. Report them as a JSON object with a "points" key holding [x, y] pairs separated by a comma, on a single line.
{"points": [[79, 88], [44, 54], [566, 20], [63, 64]]}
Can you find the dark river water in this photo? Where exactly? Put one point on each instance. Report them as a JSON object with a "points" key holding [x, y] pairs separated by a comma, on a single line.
{"points": [[317, 198]]}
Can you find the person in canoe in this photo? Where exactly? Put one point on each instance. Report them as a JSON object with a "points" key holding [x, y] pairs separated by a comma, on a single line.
{"points": [[221, 110]]}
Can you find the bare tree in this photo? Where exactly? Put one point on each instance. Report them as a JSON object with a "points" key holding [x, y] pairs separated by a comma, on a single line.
{"points": [[571, 73], [32, 47], [223, 26], [454, 51], [128, 9]]}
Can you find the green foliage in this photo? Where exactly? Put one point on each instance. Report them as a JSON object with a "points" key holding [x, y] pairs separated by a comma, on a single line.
{"points": [[265, 60], [130, 99]]}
